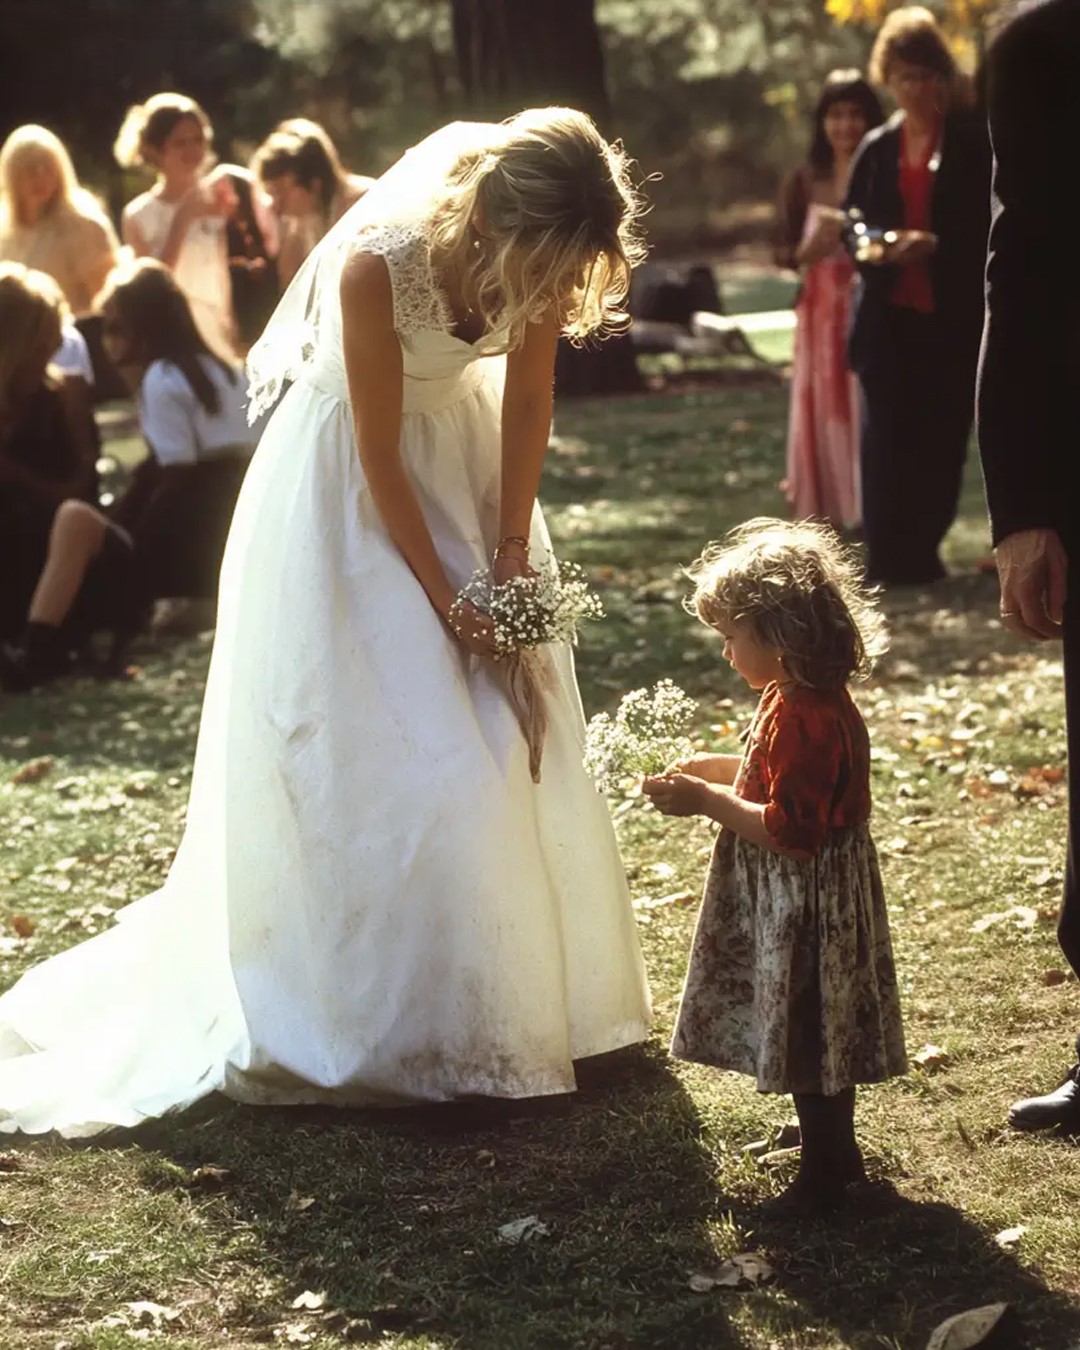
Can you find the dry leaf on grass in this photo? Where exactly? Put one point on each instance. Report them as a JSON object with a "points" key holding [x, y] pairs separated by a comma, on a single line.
{"points": [[209, 1175], [1052, 977], [296, 1203], [1023, 917], [1009, 1237], [523, 1230], [931, 1057], [310, 1300], [987, 1326], [737, 1272], [22, 926], [34, 770]]}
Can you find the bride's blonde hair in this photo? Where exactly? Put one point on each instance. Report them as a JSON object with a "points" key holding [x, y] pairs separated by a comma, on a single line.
{"points": [[544, 215]]}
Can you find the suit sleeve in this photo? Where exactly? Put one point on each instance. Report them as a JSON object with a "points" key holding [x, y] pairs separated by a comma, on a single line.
{"points": [[1022, 376]]}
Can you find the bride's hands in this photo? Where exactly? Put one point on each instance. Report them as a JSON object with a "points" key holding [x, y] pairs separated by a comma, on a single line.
{"points": [[473, 629], [511, 560]]}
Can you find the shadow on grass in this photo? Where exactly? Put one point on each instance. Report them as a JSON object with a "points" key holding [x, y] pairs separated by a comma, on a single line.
{"points": [[394, 1216]]}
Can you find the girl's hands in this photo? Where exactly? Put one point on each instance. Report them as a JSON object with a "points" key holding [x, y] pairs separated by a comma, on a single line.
{"points": [[676, 794], [473, 630]]}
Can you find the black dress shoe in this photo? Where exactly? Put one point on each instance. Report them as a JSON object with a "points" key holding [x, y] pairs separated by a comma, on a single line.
{"points": [[1057, 1110]]}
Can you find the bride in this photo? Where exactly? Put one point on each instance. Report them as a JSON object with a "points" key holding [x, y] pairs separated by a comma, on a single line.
{"points": [[386, 891]]}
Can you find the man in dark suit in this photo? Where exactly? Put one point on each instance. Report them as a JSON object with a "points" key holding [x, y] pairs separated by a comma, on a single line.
{"points": [[1029, 389]]}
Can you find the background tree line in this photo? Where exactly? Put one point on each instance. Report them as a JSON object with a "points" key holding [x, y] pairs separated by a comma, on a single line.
{"points": [[714, 95]]}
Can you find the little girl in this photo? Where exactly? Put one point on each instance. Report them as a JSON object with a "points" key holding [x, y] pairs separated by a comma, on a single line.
{"points": [[791, 975]]}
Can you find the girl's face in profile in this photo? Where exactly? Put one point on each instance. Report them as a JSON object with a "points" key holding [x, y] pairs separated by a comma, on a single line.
{"points": [[757, 662], [183, 151], [845, 126], [39, 183]]}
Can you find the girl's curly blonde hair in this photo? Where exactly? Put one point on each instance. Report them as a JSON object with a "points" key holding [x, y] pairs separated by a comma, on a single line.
{"points": [[797, 588], [544, 215]]}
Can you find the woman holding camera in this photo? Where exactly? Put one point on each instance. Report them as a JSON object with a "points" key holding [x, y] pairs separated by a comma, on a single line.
{"points": [[919, 195]]}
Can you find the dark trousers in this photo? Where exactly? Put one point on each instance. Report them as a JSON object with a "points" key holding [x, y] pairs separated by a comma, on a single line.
{"points": [[918, 404], [1069, 925]]}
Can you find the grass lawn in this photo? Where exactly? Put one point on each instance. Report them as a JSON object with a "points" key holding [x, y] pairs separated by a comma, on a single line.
{"points": [[234, 1227]]}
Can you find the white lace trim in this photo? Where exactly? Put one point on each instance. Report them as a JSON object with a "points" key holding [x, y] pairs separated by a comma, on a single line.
{"points": [[419, 301]]}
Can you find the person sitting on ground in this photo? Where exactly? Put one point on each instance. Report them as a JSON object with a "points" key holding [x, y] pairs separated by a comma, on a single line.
{"points": [[48, 447], [166, 535], [299, 167]]}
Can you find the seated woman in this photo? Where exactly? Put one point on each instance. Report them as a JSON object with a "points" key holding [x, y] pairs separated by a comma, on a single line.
{"points": [[166, 535], [298, 165], [48, 446]]}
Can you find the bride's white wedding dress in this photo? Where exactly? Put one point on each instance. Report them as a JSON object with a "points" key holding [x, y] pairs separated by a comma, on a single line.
{"points": [[373, 902]]}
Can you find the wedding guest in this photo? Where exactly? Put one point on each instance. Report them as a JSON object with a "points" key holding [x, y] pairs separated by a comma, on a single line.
{"points": [[252, 239], [47, 443], [166, 535], [921, 186], [1029, 375], [823, 426], [181, 220], [50, 223], [299, 166]]}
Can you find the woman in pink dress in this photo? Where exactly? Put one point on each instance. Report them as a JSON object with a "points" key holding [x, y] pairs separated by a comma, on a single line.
{"points": [[823, 430]]}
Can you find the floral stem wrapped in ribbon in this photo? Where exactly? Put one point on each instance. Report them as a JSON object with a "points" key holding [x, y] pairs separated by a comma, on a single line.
{"points": [[545, 605]]}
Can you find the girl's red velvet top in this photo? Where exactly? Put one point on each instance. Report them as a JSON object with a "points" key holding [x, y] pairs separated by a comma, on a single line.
{"points": [[807, 761]]}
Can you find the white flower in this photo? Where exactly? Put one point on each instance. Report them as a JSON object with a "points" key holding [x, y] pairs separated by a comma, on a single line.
{"points": [[530, 611], [649, 732]]}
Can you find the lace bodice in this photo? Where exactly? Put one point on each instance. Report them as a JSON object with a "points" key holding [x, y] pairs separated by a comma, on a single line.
{"points": [[434, 359]]}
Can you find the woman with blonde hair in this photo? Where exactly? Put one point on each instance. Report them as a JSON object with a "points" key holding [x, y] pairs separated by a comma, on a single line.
{"points": [[47, 441], [397, 882], [299, 166], [181, 220], [48, 222], [920, 191]]}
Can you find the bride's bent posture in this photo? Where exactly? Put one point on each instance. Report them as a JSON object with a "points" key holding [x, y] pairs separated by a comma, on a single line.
{"points": [[378, 899]]}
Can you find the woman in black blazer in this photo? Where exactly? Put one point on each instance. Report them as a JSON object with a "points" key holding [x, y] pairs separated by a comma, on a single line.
{"points": [[920, 188]]}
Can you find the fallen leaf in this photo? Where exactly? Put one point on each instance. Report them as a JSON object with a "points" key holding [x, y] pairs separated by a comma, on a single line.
{"points": [[931, 1057], [22, 926], [970, 1329], [34, 770], [486, 1158], [209, 1175], [745, 1270], [1022, 916], [144, 1313], [296, 1204], [1009, 1237], [523, 1230], [1052, 977], [310, 1300]]}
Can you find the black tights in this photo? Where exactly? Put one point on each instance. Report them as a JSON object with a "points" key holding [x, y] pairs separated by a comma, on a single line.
{"points": [[830, 1156]]}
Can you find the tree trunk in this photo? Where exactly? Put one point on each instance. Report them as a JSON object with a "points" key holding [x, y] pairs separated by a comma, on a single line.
{"points": [[515, 54]]}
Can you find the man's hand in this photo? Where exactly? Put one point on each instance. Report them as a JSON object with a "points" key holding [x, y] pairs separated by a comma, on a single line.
{"points": [[911, 246], [1032, 567], [676, 794]]}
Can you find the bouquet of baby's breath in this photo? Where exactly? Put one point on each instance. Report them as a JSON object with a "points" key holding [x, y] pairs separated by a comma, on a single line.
{"points": [[546, 606], [649, 732]]}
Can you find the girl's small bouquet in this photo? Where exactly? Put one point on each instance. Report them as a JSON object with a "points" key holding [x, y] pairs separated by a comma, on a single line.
{"points": [[546, 605], [649, 732], [528, 612]]}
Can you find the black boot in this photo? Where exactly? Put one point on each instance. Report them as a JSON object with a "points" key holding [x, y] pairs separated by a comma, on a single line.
{"points": [[41, 656], [1058, 1110]]}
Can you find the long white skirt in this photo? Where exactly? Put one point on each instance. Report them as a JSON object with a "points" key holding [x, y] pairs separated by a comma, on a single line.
{"points": [[373, 902]]}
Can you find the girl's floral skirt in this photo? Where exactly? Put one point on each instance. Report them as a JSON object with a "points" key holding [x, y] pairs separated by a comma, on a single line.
{"points": [[791, 976]]}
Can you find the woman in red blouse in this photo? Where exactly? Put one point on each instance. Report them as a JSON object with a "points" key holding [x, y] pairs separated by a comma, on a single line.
{"points": [[921, 185], [791, 976]]}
